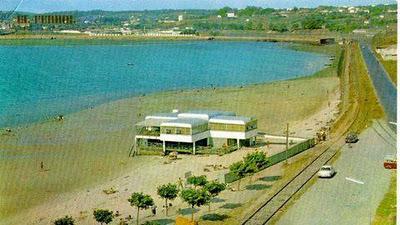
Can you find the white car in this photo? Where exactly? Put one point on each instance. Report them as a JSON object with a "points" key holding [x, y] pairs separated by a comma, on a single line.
{"points": [[326, 171]]}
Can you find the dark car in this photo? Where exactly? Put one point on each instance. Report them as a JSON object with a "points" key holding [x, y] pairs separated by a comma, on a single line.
{"points": [[352, 138]]}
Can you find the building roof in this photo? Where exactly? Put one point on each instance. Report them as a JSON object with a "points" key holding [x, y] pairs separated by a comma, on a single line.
{"points": [[153, 122], [171, 115], [204, 114], [241, 120], [184, 122]]}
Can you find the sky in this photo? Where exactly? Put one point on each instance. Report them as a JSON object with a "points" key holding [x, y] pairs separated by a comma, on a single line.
{"points": [[116, 5]]}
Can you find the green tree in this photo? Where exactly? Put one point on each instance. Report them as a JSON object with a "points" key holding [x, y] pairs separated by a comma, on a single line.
{"points": [[103, 216], [259, 159], [239, 170], [141, 201], [197, 180], [223, 11], [279, 27], [67, 220], [313, 22], [195, 197], [214, 188], [167, 192], [254, 162]]}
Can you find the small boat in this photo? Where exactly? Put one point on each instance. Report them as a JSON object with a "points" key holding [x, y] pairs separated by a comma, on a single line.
{"points": [[130, 64]]}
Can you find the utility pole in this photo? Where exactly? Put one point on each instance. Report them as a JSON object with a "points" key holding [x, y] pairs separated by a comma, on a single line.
{"points": [[287, 141]]}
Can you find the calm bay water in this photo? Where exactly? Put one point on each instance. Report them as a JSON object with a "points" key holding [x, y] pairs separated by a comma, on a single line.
{"points": [[38, 82]]}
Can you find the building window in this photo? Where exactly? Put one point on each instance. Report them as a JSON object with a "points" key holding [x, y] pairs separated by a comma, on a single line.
{"points": [[168, 131]]}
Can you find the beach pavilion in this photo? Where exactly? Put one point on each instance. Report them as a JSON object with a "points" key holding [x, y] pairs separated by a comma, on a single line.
{"points": [[195, 128]]}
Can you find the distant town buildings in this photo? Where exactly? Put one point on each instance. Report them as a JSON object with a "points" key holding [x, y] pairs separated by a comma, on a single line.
{"points": [[231, 15], [180, 18]]}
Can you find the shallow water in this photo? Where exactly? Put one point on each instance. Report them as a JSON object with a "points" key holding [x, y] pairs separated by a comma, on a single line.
{"points": [[38, 82]]}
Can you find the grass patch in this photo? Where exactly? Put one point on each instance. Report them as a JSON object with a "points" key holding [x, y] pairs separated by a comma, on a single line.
{"points": [[386, 212]]}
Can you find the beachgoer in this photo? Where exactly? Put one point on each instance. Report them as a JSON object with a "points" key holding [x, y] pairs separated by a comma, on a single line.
{"points": [[154, 210], [180, 183], [41, 165]]}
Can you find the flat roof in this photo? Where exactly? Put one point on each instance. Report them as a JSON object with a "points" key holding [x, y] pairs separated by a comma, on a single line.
{"points": [[203, 114], [153, 122], [241, 120], [184, 122], [170, 115]]}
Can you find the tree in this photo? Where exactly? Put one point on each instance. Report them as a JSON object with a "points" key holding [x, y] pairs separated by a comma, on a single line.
{"points": [[167, 192], [239, 170], [67, 220], [195, 197], [259, 159], [214, 188], [313, 22], [103, 216], [279, 27], [197, 180], [223, 11], [255, 162], [141, 201]]}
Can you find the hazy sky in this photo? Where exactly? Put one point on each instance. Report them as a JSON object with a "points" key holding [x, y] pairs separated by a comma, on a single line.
{"points": [[60, 5]]}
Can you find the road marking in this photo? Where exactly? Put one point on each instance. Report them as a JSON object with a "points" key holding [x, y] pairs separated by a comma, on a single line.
{"points": [[393, 123], [354, 180]]}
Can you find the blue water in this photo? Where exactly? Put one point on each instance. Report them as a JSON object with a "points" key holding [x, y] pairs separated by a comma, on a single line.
{"points": [[38, 82]]}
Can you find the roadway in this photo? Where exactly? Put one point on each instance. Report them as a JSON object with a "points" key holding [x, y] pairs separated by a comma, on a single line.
{"points": [[385, 88], [352, 196]]}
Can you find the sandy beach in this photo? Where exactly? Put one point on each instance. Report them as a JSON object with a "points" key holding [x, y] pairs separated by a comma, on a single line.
{"points": [[88, 151]]}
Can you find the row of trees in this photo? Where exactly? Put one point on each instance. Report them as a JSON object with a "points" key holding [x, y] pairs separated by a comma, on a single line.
{"points": [[200, 193]]}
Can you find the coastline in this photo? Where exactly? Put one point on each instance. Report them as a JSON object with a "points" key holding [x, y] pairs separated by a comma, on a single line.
{"points": [[80, 39], [97, 140], [86, 138], [39, 118]]}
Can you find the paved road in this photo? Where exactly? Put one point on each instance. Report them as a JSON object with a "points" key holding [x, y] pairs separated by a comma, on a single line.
{"points": [[385, 89], [339, 201]]}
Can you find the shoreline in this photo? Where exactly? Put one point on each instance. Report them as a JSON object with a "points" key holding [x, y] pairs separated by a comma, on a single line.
{"points": [[51, 39], [305, 48], [70, 198], [96, 141]]}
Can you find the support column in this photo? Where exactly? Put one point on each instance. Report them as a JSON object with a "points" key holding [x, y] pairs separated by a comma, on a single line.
{"points": [[163, 146], [238, 143], [135, 147], [194, 148]]}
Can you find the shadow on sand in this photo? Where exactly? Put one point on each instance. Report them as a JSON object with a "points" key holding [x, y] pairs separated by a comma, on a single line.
{"points": [[270, 178], [187, 211], [231, 205], [256, 187], [161, 222], [214, 217]]}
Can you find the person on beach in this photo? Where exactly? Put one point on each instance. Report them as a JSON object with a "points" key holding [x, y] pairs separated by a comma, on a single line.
{"points": [[180, 183], [154, 210], [41, 165]]}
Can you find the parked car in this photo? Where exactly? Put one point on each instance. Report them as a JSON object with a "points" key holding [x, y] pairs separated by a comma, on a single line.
{"points": [[326, 171], [390, 162], [351, 138]]}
